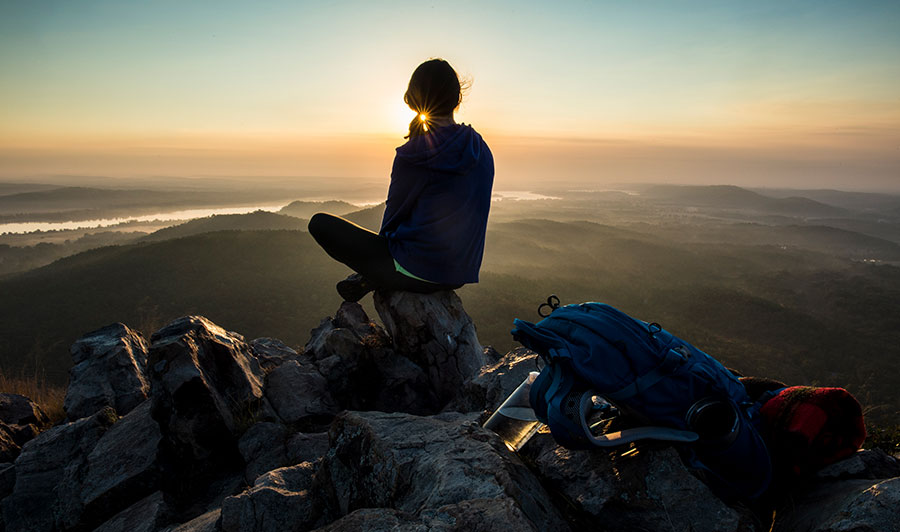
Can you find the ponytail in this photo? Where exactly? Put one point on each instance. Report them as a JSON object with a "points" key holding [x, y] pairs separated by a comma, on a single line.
{"points": [[434, 90], [420, 124], [416, 127]]}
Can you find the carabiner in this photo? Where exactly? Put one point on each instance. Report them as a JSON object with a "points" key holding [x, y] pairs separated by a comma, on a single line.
{"points": [[552, 304]]}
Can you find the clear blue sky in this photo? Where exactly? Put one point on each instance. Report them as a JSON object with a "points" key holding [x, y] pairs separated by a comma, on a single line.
{"points": [[562, 81]]}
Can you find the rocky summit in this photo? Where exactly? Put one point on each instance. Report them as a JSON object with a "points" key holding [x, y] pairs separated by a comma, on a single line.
{"points": [[364, 428]]}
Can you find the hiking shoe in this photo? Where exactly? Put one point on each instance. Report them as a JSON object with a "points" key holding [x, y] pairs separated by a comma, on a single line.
{"points": [[354, 287]]}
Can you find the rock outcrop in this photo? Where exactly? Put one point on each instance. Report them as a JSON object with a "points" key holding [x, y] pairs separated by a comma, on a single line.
{"points": [[861, 493], [279, 501], [414, 464], [49, 474], [20, 421], [109, 369], [272, 352], [300, 394], [207, 388], [647, 485], [494, 382], [147, 515], [366, 428], [362, 369], [123, 466], [434, 332]]}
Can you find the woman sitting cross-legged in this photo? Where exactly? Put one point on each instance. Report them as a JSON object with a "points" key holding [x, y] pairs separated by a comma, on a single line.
{"points": [[432, 234]]}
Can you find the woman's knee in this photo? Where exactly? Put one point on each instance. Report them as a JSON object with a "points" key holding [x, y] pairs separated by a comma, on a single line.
{"points": [[319, 223]]}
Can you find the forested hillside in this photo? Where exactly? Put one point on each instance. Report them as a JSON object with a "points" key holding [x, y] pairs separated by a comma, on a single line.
{"points": [[796, 315]]}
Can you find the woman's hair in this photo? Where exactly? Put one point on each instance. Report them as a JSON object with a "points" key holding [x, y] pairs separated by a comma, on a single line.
{"points": [[434, 90]]}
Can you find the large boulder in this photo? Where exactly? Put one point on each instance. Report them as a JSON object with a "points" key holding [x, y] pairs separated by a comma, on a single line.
{"points": [[869, 464], [495, 382], [267, 446], [279, 501], [435, 333], [342, 333], [123, 467], [17, 409], [854, 505], [264, 448], [207, 388], [49, 473], [147, 515], [306, 447], [109, 370], [418, 464], [21, 419], [646, 488], [272, 352], [860, 493], [300, 394], [362, 370]]}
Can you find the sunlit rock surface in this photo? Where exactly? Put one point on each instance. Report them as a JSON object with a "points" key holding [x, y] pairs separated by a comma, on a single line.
{"points": [[109, 370]]}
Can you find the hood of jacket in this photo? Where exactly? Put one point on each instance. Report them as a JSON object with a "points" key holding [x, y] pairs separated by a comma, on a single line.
{"points": [[455, 149]]}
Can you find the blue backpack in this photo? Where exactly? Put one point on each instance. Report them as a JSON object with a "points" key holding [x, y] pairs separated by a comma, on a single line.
{"points": [[598, 358]]}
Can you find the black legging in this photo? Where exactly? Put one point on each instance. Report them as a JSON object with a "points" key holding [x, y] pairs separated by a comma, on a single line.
{"points": [[365, 252]]}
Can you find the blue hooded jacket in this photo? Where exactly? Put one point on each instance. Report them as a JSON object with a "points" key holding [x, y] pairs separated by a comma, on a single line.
{"points": [[437, 207]]}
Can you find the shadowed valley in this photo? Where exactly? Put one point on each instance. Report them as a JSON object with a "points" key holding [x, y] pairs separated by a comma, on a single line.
{"points": [[793, 287]]}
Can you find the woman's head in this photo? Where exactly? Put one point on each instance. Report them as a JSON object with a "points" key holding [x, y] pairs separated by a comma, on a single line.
{"points": [[434, 91]]}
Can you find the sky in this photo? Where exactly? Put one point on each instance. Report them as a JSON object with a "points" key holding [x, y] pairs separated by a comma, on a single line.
{"points": [[764, 93]]}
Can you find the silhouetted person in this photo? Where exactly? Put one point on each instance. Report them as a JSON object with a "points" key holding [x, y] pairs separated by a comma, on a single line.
{"points": [[432, 234]]}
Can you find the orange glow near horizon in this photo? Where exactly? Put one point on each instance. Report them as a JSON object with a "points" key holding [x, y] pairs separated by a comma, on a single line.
{"points": [[750, 157], [660, 91]]}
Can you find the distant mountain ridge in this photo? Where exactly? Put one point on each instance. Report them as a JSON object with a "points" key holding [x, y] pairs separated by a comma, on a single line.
{"points": [[733, 197], [857, 201], [17, 188], [305, 209], [254, 221]]}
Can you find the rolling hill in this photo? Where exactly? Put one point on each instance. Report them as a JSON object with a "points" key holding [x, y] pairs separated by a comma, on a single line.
{"points": [[254, 221], [732, 197], [305, 209], [797, 315]]}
